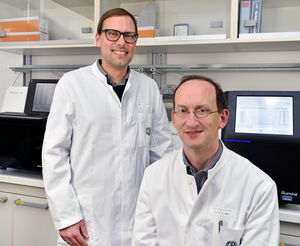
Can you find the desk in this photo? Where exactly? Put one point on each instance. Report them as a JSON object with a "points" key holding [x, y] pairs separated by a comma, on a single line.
{"points": [[25, 218]]}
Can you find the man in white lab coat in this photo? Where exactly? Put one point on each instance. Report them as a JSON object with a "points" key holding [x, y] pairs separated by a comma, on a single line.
{"points": [[204, 194], [106, 125]]}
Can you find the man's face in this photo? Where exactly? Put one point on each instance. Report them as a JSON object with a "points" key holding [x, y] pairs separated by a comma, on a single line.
{"points": [[202, 133], [118, 54]]}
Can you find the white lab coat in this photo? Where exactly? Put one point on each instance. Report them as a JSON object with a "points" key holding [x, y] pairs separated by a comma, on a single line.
{"points": [[238, 203], [96, 149]]}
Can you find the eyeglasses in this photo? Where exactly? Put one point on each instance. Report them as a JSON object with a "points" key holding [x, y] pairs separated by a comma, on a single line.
{"points": [[114, 35], [199, 113]]}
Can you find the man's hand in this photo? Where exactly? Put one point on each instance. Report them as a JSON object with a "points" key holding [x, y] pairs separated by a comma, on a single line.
{"points": [[75, 234]]}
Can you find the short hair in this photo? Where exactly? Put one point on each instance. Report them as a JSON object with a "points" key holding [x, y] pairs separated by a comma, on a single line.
{"points": [[220, 95], [115, 12]]}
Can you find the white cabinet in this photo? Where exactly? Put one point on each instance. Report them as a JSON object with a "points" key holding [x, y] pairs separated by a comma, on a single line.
{"points": [[213, 25], [25, 218], [202, 17], [6, 219], [280, 16], [45, 23], [290, 224]]}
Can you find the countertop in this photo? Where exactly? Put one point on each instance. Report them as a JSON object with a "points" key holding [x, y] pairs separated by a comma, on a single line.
{"points": [[287, 213], [22, 177]]}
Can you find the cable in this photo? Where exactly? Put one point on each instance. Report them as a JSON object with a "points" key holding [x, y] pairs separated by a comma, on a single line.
{"points": [[16, 78]]}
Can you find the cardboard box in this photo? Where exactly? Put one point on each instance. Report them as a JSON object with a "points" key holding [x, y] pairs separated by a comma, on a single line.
{"points": [[23, 29], [147, 32]]}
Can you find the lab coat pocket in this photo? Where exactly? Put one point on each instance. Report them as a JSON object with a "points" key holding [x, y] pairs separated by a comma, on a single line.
{"points": [[229, 237], [145, 130]]}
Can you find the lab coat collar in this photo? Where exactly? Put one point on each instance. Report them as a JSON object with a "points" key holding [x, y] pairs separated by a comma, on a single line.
{"points": [[109, 80], [220, 163], [211, 172], [103, 80], [102, 77], [97, 72]]}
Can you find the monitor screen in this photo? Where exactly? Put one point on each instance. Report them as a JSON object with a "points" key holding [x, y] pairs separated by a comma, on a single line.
{"points": [[39, 95], [43, 97], [264, 127], [264, 115]]}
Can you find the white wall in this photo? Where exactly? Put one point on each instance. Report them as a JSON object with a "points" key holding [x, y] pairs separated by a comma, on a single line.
{"points": [[243, 80], [8, 77], [229, 80]]}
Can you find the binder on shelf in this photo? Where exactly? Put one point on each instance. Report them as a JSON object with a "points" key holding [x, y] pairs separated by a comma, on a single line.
{"points": [[256, 16], [244, 16]]}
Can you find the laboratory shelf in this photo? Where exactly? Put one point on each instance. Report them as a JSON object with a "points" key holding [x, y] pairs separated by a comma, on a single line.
{"points": [[174, 68], [145, 46], [27, 68]]}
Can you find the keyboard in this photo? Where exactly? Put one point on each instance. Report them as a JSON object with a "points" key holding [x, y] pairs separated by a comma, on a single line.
{"points": [[6, 161]]}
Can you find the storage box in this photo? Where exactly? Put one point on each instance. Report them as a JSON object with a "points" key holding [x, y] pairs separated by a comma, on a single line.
{"points": [[147, 32], [23, 29]]}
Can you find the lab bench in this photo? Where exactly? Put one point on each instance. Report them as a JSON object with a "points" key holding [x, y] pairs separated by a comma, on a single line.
{"points": [[290, 224], [26, 219]]}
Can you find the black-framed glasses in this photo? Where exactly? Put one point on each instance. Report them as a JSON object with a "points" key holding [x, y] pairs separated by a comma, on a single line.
{"points": [[199, 113], [114, 35]]}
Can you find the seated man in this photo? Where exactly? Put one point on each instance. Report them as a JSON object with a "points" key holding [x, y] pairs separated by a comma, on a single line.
{"points": [[205, 194]]}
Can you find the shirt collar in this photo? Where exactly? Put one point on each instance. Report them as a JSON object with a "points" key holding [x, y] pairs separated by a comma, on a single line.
{"points": [[109, 80], [191, 170]]}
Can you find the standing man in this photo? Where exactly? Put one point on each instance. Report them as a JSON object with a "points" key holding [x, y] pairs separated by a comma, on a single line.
{"points": [[107, 124], [204, 194]]}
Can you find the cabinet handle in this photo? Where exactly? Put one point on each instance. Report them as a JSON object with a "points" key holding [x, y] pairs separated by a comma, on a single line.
{"points": [[19, 202], [3, 199]]}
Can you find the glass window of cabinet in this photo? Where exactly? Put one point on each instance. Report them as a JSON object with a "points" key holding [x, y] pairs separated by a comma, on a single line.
{"points": [[176, 19], [269, 18], [46, 20]]}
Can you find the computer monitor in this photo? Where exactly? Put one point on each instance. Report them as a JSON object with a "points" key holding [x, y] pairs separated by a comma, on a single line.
{"points": [[264, 127], [39, 96]]}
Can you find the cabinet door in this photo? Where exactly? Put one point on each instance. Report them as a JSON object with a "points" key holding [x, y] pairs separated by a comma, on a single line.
{"points": [[269, 19], [40, 21], [6, 219], [168, 18], [32, 223], [280, 16]]}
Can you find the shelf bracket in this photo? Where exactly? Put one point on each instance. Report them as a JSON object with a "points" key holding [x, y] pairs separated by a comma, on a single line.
{"points": [[154, 59], [27, 76]]}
